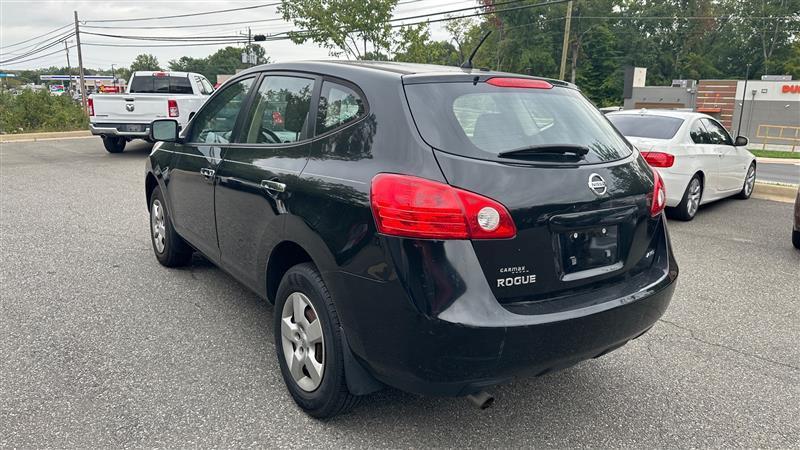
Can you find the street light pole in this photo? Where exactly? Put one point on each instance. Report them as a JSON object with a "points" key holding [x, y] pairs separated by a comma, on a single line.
{"points": [[744, 97]]}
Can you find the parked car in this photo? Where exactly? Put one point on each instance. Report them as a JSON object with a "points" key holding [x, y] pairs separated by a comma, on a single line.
{"points": [[430, 228], [796, 228], [693, 153], [119, 118]]}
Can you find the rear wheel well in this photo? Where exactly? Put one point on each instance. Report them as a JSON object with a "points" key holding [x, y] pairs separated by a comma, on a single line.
{"points": [[150, 184], [702, 177], [285, 256]]}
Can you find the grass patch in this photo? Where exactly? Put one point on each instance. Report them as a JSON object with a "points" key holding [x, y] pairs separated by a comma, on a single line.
{"points": [[776, 154]]}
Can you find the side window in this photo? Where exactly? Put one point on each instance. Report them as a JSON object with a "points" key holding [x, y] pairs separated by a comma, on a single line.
{"points": [[215, 121], [207, 85], [716, 133], [698, 133], [338, 105], [280, 110]]}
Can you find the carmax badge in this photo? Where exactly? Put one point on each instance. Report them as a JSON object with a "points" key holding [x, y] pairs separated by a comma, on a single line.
{"points": [[597, 184]]}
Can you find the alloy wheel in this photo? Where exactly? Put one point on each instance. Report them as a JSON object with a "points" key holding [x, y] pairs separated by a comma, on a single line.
{"points": [[695, 192], [750, 181], [302, 341], [157, 222]]}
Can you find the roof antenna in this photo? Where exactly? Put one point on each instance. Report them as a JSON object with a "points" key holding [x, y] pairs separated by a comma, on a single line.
{"points": [[468, 63]]}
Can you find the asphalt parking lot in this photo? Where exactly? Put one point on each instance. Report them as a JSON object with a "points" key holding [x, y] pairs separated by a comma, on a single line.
{"points": [[100, 346]]}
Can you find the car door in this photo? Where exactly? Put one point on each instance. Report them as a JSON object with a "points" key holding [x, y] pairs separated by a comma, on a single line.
{"points": [[706, 154], [258, 174], [730, 172], [193, 176]]}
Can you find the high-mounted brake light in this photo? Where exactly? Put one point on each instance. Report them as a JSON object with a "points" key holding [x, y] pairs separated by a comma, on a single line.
{"points": [[658, 199], [414, 207], [160, 74], [172, 106], [659, 159], [90, 106], [524, 83]]}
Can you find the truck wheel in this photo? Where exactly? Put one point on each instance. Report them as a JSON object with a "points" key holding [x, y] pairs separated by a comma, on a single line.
{"points": [[114, 144], [309, 345]]}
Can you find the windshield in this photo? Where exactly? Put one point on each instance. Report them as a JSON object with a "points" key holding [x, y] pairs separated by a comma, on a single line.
{"points": [[160, 84], [482, 121], [644, 126]]}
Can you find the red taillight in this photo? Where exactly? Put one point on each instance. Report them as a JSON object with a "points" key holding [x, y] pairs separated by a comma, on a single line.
{"points": [[90, 106], [172, 105], [159, 74], [659, 159], [524, 83], [659, 195], [414, 207]]}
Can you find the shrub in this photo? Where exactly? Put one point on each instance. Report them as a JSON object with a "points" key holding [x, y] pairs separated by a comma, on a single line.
{"points": [[32, 111]]}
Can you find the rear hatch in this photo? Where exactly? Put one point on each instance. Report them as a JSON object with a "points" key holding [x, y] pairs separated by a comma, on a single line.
{"points": [[578, 194]]}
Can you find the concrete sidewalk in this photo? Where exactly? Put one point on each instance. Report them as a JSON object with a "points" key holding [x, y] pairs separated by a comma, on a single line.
{"points": [[775, 192], [31, 137], [778, 160]]}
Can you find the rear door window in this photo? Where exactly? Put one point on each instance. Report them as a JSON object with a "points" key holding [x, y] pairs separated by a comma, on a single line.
{"points": [[646, 126], [481, 120], [280, 110], [338, 105]]}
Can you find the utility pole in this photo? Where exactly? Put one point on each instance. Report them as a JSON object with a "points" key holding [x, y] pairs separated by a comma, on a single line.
{"points": [[566, 42], [69, 68], [113, 76], [80, 63]]}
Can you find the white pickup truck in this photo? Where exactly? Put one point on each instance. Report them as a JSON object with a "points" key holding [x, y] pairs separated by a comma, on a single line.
{"points": [[119, 118]]}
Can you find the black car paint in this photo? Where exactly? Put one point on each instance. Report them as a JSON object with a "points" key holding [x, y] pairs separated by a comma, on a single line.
{"points": [[418, 314]]}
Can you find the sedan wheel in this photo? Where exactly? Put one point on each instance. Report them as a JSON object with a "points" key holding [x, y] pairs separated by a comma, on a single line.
{"points": [[749, 183], [302, 341], [159, 228], [695, 193]]}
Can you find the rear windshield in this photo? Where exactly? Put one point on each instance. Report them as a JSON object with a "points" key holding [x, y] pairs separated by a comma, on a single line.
{"points": [[653, 127], [154, 84], [481, 121]]}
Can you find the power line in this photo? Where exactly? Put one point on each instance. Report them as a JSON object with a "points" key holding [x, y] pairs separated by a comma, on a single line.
{"points": [[166, 38], [37, 50], [41, 56], [193, 44], [37, 37], [219, 11]]}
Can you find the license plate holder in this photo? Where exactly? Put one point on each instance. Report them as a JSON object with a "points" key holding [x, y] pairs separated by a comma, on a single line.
{"points": [[589, 248], [133, 128]]}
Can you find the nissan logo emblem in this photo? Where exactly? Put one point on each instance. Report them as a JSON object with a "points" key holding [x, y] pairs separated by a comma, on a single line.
{"points": [[597, 184]]}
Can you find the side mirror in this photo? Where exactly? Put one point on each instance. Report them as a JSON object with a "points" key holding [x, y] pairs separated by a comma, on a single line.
{"points": [[741, 141], [165, 130]]}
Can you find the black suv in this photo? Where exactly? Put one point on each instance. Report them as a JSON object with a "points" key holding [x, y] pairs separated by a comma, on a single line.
{"points": [[435, 229]]}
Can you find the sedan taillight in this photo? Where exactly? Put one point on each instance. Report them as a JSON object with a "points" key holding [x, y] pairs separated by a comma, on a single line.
{"points": [[659, 159], [172, 106], [414, 207], [659, 195]]}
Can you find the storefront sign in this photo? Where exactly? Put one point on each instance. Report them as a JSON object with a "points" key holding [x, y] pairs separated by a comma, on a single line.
{"points": [[791, 89]]}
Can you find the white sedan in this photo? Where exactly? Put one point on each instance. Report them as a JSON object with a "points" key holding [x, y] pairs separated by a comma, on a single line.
{"points": [[693, 153]]}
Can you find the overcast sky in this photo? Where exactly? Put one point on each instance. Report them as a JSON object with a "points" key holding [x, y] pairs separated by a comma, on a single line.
{"points": [[22, 20]]}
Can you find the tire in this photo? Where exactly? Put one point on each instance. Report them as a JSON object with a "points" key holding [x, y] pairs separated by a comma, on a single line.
{"points": [[114, 144], [170, 249], [749, 183], [796, 239], [690, 203], [302, 301]]}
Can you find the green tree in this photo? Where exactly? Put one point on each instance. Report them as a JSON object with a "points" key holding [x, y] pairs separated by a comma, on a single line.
{"points": [[415, 46], [344, 27], [145, 61], [224, 61]]}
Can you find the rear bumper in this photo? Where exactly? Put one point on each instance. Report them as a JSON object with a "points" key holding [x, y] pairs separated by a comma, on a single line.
{"points": [[475, 342], [113, 129]]}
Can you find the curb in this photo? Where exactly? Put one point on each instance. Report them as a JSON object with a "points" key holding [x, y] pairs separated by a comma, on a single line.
{"points": [[790, 161], [785, 193], [32, 137]]}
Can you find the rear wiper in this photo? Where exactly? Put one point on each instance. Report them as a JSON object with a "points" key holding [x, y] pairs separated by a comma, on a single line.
{"points": [[560, 149]]}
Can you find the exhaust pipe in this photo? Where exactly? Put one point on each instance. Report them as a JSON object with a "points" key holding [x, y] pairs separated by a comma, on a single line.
{"points": [[481, 399]]}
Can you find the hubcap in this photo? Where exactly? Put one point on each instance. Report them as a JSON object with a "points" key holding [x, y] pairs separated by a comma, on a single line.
{"points": [[302, 342], [695, 192], [750, 181], [157, 222]]}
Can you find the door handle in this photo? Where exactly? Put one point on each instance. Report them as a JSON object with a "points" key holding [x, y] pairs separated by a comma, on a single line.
{"points": [[207, 173], [273, 185]]}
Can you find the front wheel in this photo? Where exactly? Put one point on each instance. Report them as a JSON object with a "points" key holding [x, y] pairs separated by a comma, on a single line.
{"points": [[749, 183], [308, 344], [114, 144]]}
